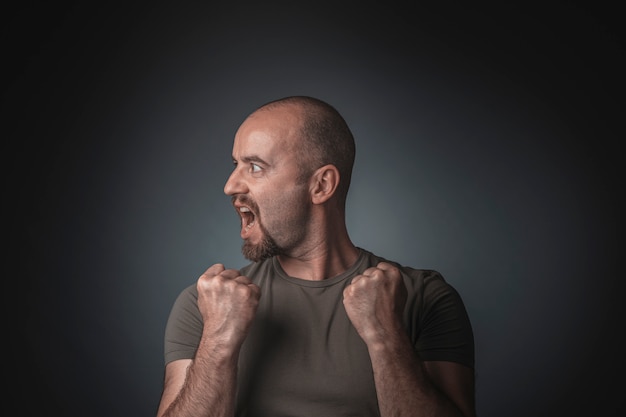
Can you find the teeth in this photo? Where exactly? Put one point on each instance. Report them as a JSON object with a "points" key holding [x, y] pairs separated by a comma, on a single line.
{"points": [[244, 210]]}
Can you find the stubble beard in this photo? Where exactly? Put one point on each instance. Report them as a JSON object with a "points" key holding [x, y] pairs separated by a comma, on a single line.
{"points": [[265, 249]]}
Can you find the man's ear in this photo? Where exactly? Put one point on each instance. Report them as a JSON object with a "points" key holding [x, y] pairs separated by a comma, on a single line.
{"points": [[324, 182]]}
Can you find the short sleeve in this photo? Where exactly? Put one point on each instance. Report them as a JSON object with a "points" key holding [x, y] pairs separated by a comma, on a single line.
{"points": [[445, 332], [184, 327]]}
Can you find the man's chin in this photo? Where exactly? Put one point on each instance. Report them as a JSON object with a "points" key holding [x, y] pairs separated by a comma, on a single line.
{"points": [[257, 252]]}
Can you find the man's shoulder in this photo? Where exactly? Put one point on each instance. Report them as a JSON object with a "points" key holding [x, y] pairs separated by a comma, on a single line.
{"points": [[412, 271]]}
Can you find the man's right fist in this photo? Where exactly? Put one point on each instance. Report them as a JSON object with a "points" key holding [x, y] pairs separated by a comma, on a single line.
{"points": [[227, 302]]}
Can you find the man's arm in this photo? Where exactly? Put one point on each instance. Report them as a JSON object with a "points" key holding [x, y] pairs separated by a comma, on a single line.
{"points": [[405, 385], [175, 374], [456, 381], [202, 387], [206, 385]]}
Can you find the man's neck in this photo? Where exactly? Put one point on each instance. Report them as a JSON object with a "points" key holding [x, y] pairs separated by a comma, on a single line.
{"points": [[321, 263]]}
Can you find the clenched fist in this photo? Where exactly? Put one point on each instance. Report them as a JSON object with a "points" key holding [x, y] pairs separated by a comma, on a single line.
{"points": [[375, 301], [227, 302]]}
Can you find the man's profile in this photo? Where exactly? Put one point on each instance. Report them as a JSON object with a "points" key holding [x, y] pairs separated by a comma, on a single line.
{"points": [[314, 325]]}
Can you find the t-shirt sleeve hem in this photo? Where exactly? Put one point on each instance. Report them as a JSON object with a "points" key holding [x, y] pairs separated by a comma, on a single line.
{"points": [[447, 357], [178, 354]]}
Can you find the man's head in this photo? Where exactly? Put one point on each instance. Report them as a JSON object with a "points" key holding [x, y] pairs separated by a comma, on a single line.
{"points": [[289, 155], [323, 138]]}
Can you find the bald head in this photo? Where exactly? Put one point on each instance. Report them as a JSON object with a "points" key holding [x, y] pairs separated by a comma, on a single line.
{"points": [[324, 137]]}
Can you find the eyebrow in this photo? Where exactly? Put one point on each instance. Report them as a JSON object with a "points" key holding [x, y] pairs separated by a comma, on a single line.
{"points": [[252, 158]]}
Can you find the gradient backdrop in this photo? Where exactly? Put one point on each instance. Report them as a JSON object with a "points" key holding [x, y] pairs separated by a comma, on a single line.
{"points": [[487, 148]]}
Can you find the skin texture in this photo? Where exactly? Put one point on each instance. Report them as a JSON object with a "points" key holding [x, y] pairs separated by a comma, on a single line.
{"points": [[302, 222]]}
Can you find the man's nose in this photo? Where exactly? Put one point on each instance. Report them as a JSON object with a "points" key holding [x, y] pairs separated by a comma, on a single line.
{"points": [[234, 184]]}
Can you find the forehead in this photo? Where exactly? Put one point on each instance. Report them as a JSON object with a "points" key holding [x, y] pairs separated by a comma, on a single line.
{"points": [[267, 133]]}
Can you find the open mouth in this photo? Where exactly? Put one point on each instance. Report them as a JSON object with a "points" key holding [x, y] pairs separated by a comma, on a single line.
{"points": [[247, 211], [248, 219]]}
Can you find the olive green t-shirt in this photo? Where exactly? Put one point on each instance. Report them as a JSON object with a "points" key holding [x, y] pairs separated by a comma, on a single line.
{"points": [[303, 357]]}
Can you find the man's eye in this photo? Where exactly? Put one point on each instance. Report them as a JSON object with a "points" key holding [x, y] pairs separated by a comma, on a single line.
{"points": [[255, 168]]}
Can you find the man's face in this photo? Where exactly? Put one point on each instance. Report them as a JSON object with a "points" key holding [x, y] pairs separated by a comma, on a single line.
{"points": [[273, 205]]}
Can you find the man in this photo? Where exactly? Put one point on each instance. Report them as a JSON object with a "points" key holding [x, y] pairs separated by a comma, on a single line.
{"points": [[314, 326]]}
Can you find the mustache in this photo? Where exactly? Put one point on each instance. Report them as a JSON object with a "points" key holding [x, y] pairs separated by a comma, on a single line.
{"points": [[244, 200]]}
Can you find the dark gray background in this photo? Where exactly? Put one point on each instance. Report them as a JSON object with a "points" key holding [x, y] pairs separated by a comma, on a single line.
{"points": [[487, 148]]}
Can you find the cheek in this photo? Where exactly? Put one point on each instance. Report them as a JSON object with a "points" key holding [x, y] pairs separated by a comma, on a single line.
{"points": [[283, 202], [284, 209], [278, 211]]}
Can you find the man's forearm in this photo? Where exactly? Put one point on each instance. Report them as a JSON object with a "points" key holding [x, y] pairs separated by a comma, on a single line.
{"points": [[402, 384], [210, 385]]}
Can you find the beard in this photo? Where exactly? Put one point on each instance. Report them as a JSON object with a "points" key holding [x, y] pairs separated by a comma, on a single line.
{"points": [[265, 249], [283, 239]]}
